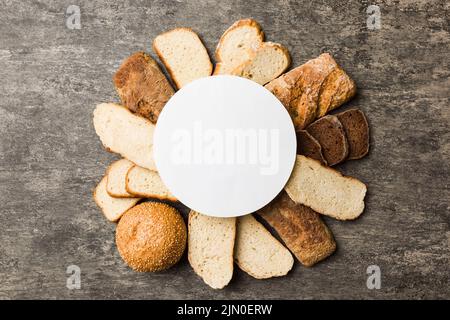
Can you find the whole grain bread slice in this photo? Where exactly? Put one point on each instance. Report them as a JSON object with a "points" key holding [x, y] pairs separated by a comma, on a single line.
{"points": [[210, 248], [237, 45], [112, 208], [330, 133], [146, 183], [357, 131], [269, 61], [257, 252], [308, 146], [326, 190], [142, 86], [125, 133], [116, 175], [184, 55], [300, 228]]}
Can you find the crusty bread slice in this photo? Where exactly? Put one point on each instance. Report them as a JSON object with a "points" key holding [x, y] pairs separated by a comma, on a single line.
{"points": [[183, 54], [112, 208], [270, 60], [237, 45], [308, 146], [210, 248], [301, 229], [329, 132], [357, 131], [124, 133], [326, 190], [257, 252], [146, 183], [116, 175], [142, 87]]}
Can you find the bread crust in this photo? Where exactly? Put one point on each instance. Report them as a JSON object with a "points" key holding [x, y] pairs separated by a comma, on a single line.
{"points": [[165, 62], [301, 229], [145, 195]]}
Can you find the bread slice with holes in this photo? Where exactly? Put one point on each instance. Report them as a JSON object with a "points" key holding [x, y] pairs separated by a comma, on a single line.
{"points": [[257, 252], [269, 61], [112, 208], [142, 87], [210, 248], [308, 146], [356, 129], [125, 133], [300, 228], [184, 55], [237, 45], [326, 190], [330, 133], [116, 175], [147, 184]]}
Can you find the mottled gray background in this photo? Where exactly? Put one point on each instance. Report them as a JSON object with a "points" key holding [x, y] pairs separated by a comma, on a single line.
{"points": [[50, 158]]}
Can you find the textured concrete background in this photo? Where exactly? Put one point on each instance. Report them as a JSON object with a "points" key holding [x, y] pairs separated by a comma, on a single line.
{"points": [[50, 158]]}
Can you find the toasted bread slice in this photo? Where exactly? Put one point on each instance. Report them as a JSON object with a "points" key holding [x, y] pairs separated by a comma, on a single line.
{"points": [[270, 60], [326, 190], [112, 208], [257, 252], [116, 175], [146, 183], [184, 55], [125, 133], [237, 45], [210, 248]]}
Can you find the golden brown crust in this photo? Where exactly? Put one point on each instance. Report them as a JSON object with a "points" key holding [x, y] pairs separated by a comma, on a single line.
{"points": [[145, 195], [151, 237], [164, 61], [301, 229], [235, 25], [142, 86]]}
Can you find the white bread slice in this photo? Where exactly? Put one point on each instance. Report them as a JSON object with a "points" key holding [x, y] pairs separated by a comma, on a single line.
{"points": [[183, 54], [325, 190], [116, 175], [210, 248], [125, 133], [270, 61], [112, 208], [146, 183], [237, 45], [257, 252]]}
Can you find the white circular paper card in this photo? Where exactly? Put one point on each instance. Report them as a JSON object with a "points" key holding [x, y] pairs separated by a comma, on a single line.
{"points": [[224, 146]]}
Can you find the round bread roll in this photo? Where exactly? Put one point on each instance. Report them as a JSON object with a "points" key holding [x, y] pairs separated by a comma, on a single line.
{"points": [[151, 236]]}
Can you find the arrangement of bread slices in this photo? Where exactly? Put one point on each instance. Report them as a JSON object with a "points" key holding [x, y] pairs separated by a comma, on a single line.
{"points": [[151, 235]]}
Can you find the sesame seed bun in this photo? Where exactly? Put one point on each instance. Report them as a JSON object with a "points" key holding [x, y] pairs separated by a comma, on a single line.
{"points": [[151, 237]]}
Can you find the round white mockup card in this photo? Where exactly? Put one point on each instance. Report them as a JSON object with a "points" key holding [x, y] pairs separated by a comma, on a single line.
{"points": [[224, 146]]}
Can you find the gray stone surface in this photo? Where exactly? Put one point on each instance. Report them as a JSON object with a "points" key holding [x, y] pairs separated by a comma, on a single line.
{"points": [[50, 158]]}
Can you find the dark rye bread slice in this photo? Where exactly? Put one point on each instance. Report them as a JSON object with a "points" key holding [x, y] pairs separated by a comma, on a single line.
{"points": [[330, 133], [300, 228], [308, 146], [357, 131]]}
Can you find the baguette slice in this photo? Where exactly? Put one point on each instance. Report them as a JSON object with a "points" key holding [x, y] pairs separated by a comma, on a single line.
{"points": [[301, 229], [257, 252], [142, 86], [326, 190], [308, 146], [238, 45], [112, 208], [116, 175], [210, 248], [357, 131], [184, 55], [124, 133], [146, 183], [270, 60], [329, 132]]}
